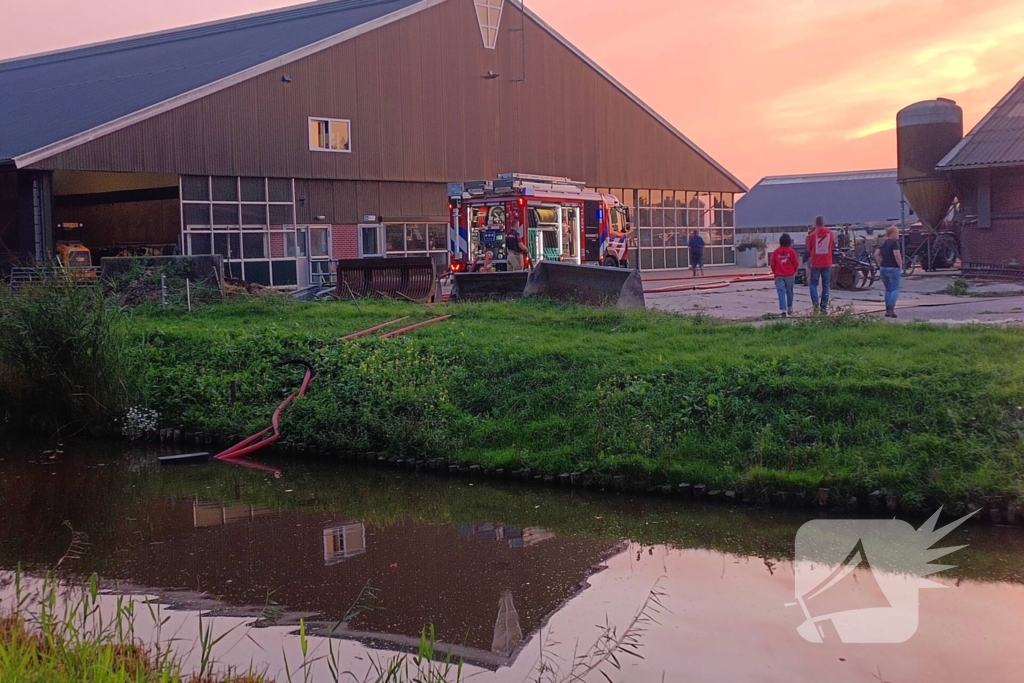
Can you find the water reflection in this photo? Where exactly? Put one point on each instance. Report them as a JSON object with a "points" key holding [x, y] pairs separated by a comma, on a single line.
{"points": [[206, 515], [488, 565], [515, 538], [343, 542]]}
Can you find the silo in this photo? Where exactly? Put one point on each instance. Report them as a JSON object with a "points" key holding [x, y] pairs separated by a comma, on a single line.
{"points": [[925, 133]]}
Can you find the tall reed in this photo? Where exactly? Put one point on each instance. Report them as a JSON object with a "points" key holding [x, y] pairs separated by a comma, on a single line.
{"points": [[64, 355]]}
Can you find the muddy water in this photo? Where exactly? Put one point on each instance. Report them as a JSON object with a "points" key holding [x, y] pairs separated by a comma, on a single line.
{"points": [[497, 570]]}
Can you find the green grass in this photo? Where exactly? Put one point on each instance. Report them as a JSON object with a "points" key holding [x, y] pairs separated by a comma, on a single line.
{"points": [[61, 632], [928, 412]]}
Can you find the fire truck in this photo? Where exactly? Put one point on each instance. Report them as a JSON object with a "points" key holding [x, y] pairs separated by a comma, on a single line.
{"points": [[560, 218]]}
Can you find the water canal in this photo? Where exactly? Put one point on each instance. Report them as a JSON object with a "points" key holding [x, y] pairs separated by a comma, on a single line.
{"points": [[503, 573]]}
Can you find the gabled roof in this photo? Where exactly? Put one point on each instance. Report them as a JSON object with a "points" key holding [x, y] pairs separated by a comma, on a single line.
{"points": [[853, 198], [59, 100], [49, 98], [998, 140]]}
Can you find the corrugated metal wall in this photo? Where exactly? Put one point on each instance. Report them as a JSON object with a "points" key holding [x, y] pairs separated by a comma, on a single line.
{"points": [[421, 111]]}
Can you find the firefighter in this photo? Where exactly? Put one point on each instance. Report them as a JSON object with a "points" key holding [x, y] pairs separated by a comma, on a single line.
{"points": [[516, 246]]}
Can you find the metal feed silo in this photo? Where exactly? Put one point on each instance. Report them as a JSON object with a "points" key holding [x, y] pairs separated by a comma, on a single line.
{"points": [[925, 133]]}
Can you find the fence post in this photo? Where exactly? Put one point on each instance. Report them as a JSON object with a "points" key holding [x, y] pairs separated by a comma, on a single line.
{"points": [[188, 293], [163, 289]]}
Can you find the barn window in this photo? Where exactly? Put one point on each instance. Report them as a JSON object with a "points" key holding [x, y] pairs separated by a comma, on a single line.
{"points": [[330, 135], [488, 15]]}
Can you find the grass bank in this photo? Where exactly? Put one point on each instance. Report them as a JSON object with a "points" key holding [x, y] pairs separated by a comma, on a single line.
{"points": [[67, 640], [60, 631], [928, 412]]}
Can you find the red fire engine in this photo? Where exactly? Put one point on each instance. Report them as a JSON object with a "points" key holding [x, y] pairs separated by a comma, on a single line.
{"points": [[560, 218]]}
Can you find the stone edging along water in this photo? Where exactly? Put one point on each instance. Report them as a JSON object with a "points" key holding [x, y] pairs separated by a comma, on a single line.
{"points": [[990, 509]]}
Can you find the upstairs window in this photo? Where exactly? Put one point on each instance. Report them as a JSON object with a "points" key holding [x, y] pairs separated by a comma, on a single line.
{"points": [[330, 135], [488, 15]]}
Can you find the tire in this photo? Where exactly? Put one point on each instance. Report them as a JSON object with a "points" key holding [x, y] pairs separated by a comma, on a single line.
{"points": [[610, 262], [943, 253], [909, 266]]}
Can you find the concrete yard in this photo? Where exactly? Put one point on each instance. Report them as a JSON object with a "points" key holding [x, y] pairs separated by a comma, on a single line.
{"points": [[922, 298]]}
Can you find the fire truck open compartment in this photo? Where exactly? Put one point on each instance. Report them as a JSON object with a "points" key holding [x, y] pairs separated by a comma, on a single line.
{"points": [[560, 219]]}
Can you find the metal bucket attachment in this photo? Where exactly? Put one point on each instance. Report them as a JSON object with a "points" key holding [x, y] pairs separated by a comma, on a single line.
{"points": [[413, 278], [592, 285], [489, 286]]}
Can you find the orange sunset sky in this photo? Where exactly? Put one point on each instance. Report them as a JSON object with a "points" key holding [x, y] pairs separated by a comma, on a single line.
{"points": [[765, 86]]}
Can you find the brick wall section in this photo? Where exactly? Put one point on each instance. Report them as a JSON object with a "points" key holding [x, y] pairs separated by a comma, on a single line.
{"points": [[277, 245], [1003, 243], [344, 241]]}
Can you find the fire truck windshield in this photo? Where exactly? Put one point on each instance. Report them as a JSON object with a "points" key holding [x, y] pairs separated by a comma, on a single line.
{"points": [[617, 217]]}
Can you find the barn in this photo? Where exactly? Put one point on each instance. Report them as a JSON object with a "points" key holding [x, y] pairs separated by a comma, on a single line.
{"points": [[287, 139]]}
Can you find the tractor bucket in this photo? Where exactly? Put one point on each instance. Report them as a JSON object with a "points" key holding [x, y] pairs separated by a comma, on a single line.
{"points": [[488, 286], [593, 285], [413, 278]]}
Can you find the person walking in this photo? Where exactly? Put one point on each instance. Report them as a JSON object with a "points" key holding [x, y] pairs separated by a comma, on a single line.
{"points": [[784, 264], [516, 247], [696, 245], [890, 261], [821, 242]]}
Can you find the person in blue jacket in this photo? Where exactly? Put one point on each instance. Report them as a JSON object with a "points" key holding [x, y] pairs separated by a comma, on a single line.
{"points": [[696, 245]]}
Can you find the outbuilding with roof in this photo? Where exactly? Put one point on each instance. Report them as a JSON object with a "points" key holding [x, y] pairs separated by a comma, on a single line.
{"points": [[987, 172]]}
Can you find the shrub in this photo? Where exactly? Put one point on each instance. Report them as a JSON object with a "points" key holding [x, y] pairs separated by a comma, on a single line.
{"points": [[64, 355]]}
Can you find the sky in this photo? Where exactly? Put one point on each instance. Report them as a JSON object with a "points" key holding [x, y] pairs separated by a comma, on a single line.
{"points": [[766, 87]]}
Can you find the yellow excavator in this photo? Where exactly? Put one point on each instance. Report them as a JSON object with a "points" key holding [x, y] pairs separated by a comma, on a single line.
{"points": [[74, 255]]}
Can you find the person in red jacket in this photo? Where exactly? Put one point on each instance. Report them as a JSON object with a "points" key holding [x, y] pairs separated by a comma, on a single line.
{"points": [[821, 242], [785, 263]]}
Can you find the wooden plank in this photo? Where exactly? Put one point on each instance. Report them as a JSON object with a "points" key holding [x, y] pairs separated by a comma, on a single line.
{"points": [[433, 136], [185, 459], [367, 137], [391, 94]]}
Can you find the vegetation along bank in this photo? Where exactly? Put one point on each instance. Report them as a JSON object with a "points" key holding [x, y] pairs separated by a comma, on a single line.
{"points": [[929, 414]]}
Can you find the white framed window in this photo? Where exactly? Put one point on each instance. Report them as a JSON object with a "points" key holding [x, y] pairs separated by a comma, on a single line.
{"points": [[403, 239], [488, 15], [371, 241], [320, 242], [330, 135]]}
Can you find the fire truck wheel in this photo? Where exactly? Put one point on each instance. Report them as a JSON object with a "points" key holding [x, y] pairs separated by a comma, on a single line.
{"points": [[610, 262]]}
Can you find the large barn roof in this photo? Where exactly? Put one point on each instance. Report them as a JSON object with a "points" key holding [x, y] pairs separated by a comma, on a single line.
{"points": [[998, 140], [854, 198], [55, 101], [51, 97]]}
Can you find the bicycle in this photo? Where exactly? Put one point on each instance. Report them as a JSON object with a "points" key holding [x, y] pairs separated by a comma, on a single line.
{"points": [[934, 252]]}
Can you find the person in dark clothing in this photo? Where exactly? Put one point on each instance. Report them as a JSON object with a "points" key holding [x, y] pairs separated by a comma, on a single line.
{"points": [[516, 246], [843, 241], [890, 261], [696, 245]]}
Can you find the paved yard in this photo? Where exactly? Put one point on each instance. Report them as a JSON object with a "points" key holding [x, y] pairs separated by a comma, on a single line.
{"points": [[922, 298]]}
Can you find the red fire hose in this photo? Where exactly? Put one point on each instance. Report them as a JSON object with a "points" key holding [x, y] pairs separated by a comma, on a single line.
{"points": [[237, 454]]}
